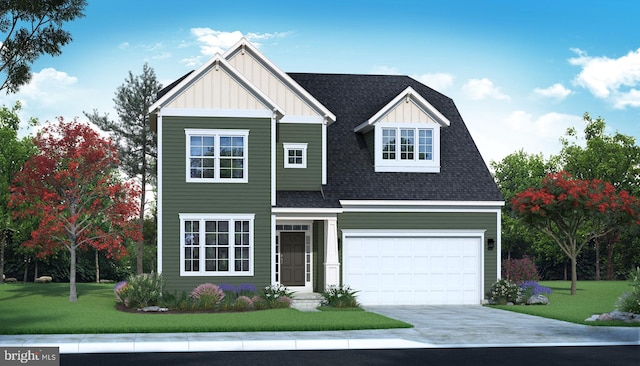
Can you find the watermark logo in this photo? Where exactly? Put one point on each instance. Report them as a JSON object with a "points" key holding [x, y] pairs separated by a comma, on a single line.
{"points": [[45, 356]]}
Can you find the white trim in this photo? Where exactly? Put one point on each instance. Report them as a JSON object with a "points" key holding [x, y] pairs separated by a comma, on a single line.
{"points": [[324, 153], [287, 146], [313, 211], [160, 200], [498, 247], [216, 134], [244, 45], [346, 203], [220, 217], [213, 112], [273, 248], [316, 120], [273, 160], [409, 94]]}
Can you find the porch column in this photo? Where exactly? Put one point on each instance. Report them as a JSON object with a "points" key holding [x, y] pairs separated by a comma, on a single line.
{"points": [[331, 260]]}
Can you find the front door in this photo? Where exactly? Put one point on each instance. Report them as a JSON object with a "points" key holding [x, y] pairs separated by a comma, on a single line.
{"points": [[292, 259]]}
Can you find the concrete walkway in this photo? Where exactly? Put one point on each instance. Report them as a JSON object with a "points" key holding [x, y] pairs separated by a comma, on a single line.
{"points": [[434, 327]]}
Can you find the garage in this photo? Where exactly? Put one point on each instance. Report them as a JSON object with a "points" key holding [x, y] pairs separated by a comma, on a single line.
{"points": [[414, 268]]}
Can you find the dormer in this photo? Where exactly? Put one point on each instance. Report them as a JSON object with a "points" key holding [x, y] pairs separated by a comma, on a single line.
{"points": [[406, 134]]}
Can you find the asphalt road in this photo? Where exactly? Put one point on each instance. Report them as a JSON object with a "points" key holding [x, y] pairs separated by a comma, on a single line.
{"points": [[534, 356]]}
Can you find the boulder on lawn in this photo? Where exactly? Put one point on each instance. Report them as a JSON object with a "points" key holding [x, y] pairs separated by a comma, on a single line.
{"points": [[11, 280], [538, 300], [44, 279]]}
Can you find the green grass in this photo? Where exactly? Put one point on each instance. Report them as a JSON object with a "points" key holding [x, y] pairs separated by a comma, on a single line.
{"points": [[592, 297], [45, 309]]}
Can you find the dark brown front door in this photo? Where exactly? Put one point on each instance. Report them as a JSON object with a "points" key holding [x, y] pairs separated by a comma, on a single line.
{"points": [[292, 259]]}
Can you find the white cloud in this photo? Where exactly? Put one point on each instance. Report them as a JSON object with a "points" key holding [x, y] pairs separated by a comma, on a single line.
{"points": [[499, 133], [123, 45], [438, 81], [213, 41], [478, 89], [556, 91], [612, 79], [48, 86]]}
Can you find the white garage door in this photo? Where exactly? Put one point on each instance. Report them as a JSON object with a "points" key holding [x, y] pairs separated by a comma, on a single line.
{"points": [[416, 270]]}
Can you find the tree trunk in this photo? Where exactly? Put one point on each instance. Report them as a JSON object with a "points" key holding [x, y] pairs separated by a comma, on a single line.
{"points": [[143, 197], [3, 241], [574, 275], [597, 245], [97, 268], [73, 295], [26, 269], [35, 270]]}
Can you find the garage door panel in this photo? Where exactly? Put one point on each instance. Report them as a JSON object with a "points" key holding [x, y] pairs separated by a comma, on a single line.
{"points": [[413, 270]]}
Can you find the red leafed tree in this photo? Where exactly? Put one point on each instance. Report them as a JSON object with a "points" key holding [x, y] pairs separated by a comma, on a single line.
{"points": [[573, 212], [72, 186]]}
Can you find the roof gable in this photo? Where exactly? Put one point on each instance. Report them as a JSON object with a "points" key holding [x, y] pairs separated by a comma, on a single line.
{"points": [[279, 86], [216, 85], [407, 106]]}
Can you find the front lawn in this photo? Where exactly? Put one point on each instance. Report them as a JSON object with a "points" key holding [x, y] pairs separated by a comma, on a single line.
{"points": [[593, 297], [45, 309]]}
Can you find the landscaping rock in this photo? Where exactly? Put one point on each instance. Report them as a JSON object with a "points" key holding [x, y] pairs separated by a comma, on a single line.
{"points": [[155, 309], [11, 280], [44, 279], [538, 300], [615, 315]]}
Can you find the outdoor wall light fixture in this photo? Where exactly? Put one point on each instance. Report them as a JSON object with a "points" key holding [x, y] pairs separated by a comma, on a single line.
{"points": [[491, 244]]}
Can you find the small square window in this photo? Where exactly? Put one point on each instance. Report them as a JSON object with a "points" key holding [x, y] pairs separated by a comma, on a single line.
{"points": [[295, 155]]}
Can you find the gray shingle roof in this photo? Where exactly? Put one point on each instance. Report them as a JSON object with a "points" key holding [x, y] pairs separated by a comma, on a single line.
{"points": [[463, 176]]}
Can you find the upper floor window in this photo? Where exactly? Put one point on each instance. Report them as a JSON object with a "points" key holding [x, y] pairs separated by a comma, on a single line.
{"points": [[216, 155], [295, 155], [404, 147]]}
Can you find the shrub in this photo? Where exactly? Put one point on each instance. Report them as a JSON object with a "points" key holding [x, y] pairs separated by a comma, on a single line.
{"points": [[259, 303], [504, 291], [120, 290], [141, 290], [630, 301], [339, 297], [520, 270], [272, 293], [530, 288], [173, 301], [207, 296], [243, 303]]}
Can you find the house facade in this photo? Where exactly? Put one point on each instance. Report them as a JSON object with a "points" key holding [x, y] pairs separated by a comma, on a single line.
{"points": [[312, 180]]}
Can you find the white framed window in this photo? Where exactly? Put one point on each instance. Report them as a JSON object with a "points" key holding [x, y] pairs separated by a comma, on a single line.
{"points": [[216, 245], [407, 147], [295, 155], [217, 155]]}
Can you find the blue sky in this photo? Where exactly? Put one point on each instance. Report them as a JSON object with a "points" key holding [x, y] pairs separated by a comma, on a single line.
{"points": [[520, 73]]}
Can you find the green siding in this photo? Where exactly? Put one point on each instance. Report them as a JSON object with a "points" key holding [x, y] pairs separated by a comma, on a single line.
{"points": [[431, 221], [310, 178], [179, 196]]}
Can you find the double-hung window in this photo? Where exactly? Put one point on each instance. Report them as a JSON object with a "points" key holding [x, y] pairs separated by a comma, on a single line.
{"points": [[407, 148], [217, 155], [216, 245]]}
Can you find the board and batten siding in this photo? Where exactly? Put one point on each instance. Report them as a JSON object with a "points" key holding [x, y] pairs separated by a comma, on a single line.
{"points": [[179, 196], [298, 179], [431, 221]]}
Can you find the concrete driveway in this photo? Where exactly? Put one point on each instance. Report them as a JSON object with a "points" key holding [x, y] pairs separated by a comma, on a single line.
{"points": [[479, 325]]}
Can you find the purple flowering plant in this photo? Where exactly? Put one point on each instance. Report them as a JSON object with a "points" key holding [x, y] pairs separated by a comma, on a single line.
{"points": [[530, 288]]}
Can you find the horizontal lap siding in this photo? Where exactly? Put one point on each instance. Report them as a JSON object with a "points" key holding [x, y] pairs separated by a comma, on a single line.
{"points": [[431, 221], [178, 196], [292, 179]]}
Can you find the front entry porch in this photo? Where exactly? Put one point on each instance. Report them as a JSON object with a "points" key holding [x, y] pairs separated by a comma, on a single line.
{"points": [[305, 252]]}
